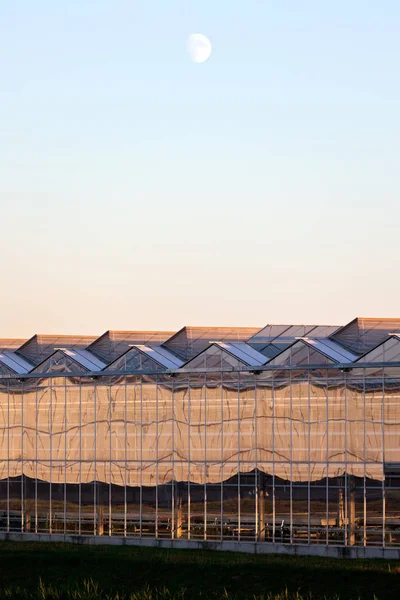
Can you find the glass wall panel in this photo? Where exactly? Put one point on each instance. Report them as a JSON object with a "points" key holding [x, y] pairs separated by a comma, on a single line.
{"points": [[300, 456], [247, 529]]}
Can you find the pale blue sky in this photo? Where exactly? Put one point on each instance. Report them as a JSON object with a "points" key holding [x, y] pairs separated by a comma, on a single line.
{"points": [[141, 190]]}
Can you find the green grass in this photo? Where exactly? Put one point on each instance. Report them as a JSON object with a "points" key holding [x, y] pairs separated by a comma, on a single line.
{"points": [[57, 571]]}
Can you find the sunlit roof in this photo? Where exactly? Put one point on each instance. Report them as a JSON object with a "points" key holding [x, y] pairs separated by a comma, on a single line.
{"points": [[331, 349], [362, 340], [243, 352], [161, 355], [81, 358], [16, 363]]}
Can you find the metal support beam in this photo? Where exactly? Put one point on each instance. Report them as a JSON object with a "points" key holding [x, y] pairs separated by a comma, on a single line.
{"points": [[179, 510], [341, 511], [100, 520], [261, 506], [351, 495]]}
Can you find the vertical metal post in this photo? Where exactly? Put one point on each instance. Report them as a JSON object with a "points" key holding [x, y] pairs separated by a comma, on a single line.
{"points": [[273, 462], [351, 511], [341, 510], [80, 460], [222, 461], [157, 459], [205, 457], [261, 506], [8, 457], [65, 455], [239, 457], [110, 391], [95, 460], [100, 519], [28, 521], [22, 461], [22, 516], [365, 467], [179, 519], [383, 462], [327, 457], [173, 483], [346, 507], [256, 477], [309, 462], [36, 459], [188, 475], [125, 456], [291, 458], [141, 459], [51, 457]]}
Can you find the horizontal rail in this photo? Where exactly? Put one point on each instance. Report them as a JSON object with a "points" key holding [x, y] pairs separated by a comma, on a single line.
{"points": [[94, 375]]}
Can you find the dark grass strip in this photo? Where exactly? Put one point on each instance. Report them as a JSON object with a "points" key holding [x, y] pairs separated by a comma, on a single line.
{"points": [[118, 573]]}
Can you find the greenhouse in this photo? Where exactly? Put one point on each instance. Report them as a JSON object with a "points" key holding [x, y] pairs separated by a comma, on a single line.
{"points": [[286, 434]]}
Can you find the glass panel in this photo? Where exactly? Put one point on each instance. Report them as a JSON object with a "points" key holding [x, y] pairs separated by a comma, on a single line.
{"points": [[289, 456], [214, 358], [134, 360]]}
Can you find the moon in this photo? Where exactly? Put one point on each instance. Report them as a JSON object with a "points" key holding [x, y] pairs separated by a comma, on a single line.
{"points": [[199, 47]]}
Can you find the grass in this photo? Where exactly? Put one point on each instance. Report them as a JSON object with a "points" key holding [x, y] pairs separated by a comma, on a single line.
{"points": [[56, 572]]}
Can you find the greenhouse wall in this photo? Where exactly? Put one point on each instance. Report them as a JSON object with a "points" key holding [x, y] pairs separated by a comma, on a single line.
{"points": [[289, 456]]}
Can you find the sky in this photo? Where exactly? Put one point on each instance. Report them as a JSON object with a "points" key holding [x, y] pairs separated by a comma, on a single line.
{"points": [[140, 190]]}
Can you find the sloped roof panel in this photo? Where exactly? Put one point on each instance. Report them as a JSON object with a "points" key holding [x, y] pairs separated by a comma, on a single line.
{"points": [[215, 357], [39, 347], [324, 331], [72, 360], [269, 351], [289, 333], [243, 352], [14, 362], [161, 355], [331, 349], [135, 360], [268, 333], [273, 339], [85, 359], [190, 341], [4, 370], [362, 335], [59, 362], [112, 344], [168, 355], [300, 353], [387, 351]]}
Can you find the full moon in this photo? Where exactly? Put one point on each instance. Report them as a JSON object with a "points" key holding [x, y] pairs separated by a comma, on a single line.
{"points": [[199, 47]]}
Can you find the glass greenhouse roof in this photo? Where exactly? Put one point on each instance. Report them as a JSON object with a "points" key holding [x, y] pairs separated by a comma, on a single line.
{"points": [[14, 362], [387, 351], [190, 341], [161, 355], [112, 344], [39, 347], [67, 358], [363, 334], [331, 349], [243, 352], [360, 341]]}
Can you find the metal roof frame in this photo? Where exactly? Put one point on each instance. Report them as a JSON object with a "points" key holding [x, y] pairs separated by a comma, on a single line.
{"points": [[161, 358], [229, 348], [79, 357], [16, 363]]}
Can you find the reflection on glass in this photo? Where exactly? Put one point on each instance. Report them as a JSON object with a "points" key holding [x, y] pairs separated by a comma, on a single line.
{"points": [[285, 456]]}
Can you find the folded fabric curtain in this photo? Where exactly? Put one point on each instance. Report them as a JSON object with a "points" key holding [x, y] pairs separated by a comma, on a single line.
{"points": [[147, 431]]}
